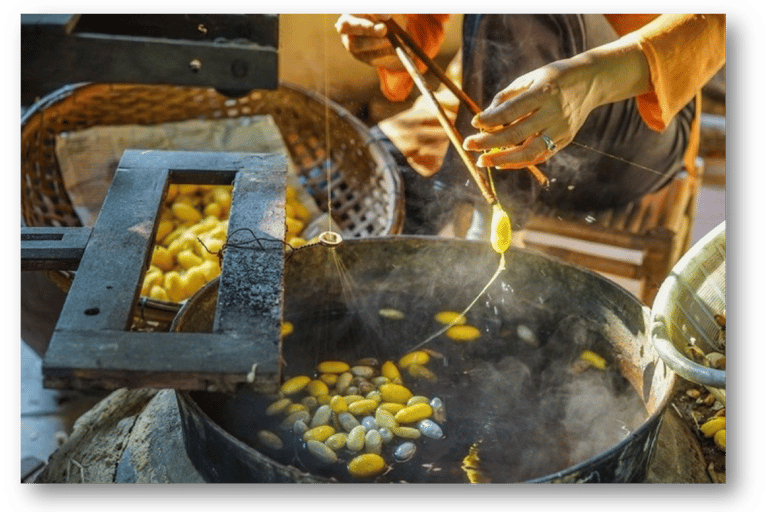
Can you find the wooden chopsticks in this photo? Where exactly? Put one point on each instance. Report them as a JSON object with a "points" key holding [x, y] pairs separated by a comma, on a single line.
{"points": [[399, 38]]}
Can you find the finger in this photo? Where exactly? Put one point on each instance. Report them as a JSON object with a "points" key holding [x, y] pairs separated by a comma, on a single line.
{"points": [[352, 25], [511, 135], [532, 152], [510, 111]]}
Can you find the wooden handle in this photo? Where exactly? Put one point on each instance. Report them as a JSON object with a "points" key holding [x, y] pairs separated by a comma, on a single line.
{"points": [[402, 38]]}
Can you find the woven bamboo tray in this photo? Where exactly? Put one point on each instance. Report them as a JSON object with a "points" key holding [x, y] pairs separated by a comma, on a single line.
{"points": [[366, 190]]}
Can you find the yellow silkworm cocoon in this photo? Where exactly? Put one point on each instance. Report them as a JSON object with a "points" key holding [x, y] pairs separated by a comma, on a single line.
{"points": [[188, 259], [332, 367], [164, 228], [317, 388], [329, 378], [297, 242], [338, 404], [193, 280], [210, 269], [395, 393], [390, 371], [172, 192], [501, 229], [286, 328], [337, 441], [406, 432], [269, 439], [450, 317], [290, 193], [352, 398], [162, 258], [185, 211], [421, 372], [210, 222], [294, 408], [366, 465], [174, 286], [293, 226], [158, 293], [712, 426], [320, 433], [720, 439], [213, 210], [593, 359], [413, 413], [211, 249], [153, 277], [463, 333], [223, 196], [391, 407], [361, 407], [416, 357], [294, 385], [188, 189], [391, 313], [301, 211], [278, 407]]}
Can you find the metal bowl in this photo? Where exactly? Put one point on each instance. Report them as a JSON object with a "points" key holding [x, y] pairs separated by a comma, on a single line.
{"points": [[684, 311]]}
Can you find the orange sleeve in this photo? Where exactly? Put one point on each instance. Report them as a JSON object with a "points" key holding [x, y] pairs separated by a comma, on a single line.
{"points": [[429, 32], [684, 52]]}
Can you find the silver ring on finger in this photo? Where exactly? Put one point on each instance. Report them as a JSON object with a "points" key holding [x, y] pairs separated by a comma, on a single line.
{"points": [[551, 146]]}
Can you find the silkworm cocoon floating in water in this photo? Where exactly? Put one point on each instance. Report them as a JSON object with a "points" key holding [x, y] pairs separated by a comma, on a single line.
{"points": [[330, 379], [593, 359], [366, 465], [391, 314], [385, 418], [391, 407], [417, 399], [430, 429], [345, 379], [322, 416], [373, 441], [406, 432], [378, 381], [320, 433], [405, 451], [317, 387], [286, 328], [414, 413], [322, 452], [356, 439], [269, 439], [374, 395], [720, 438], [361, 407], [501, 230], [338, 405], [390, 371], [438, 409], [278, 407], [416, 357], [347, 421], [352, 398], [368, 422], [296, 408], [332, 367], [296, 416], [337, 441], [299, 428], [450, 317], [395, 393], [366, 372], [463, 333], [710, 427], [418, 371], [386, 435], [310, 402]]}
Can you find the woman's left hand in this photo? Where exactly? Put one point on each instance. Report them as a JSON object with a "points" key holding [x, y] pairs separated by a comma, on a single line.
{"points": [[544, 107]]}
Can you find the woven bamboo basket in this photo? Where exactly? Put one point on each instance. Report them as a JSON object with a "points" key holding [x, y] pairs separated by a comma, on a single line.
{"points": [[365, 184]]}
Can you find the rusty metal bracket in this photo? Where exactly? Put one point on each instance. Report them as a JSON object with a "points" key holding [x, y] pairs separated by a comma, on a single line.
{"points": [[92, 347]]}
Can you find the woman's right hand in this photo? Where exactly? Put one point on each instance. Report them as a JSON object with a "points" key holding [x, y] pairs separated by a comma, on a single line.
{"points": [[365, 37]]}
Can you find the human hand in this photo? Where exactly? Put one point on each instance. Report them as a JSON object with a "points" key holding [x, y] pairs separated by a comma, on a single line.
{"points": [[364, 36], [551, 102]]}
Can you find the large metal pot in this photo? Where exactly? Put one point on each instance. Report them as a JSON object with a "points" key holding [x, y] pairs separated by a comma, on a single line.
{"points": [[507, 393]]}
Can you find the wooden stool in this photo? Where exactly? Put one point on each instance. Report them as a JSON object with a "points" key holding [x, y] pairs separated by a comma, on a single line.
{"points": [[641, 241]]}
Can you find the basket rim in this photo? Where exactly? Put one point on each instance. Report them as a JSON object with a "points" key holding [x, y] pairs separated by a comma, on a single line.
{"points": [[660, 333]]}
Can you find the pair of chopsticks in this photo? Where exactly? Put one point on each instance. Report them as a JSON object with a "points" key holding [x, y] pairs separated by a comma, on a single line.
{"points": [[400, 40]]}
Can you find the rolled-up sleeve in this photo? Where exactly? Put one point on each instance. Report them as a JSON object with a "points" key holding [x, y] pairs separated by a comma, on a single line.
{"points": [[429, 32]]}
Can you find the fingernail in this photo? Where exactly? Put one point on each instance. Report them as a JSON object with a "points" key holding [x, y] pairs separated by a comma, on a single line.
{"points": [[475, 122]]}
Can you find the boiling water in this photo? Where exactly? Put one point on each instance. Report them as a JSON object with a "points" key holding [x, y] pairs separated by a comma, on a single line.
{"points": [[515, 409]]}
